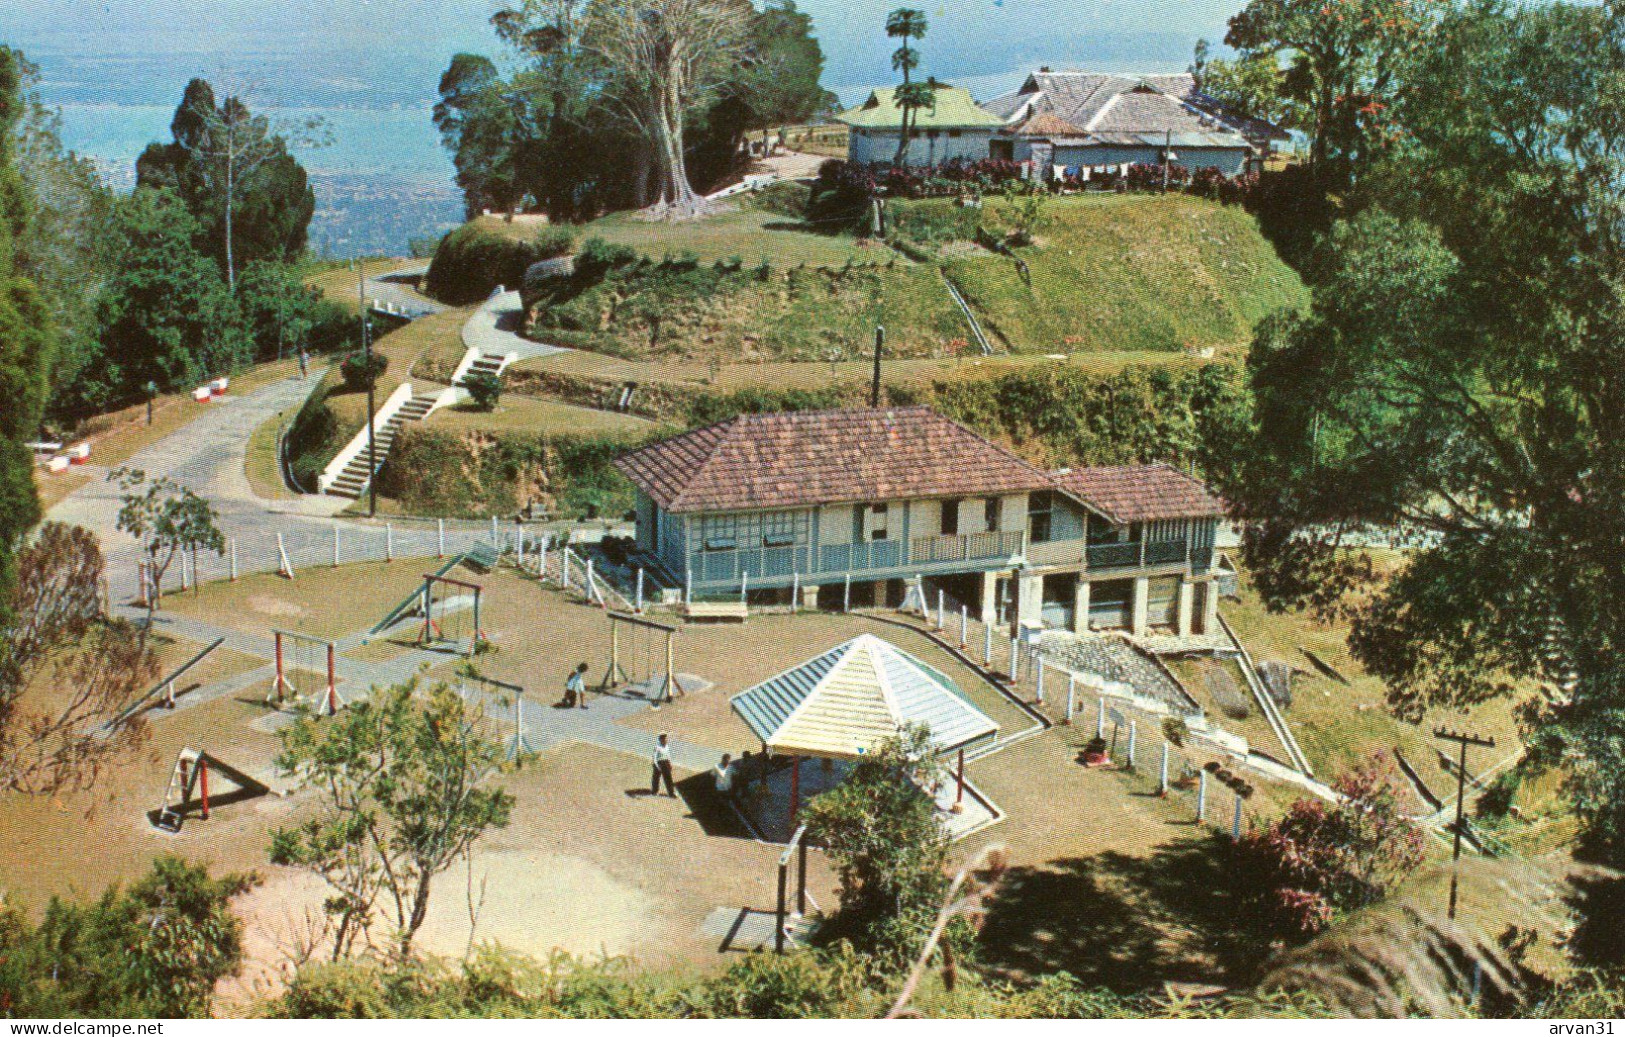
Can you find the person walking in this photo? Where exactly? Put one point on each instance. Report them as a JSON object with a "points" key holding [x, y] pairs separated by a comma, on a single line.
{"points": [[662, 768], [575, 687], [304, 363]]}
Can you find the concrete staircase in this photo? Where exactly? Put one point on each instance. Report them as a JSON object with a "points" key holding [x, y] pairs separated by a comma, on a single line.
{"points": [[353, 478]]}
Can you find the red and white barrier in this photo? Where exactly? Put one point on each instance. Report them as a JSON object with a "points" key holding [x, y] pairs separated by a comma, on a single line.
{"points": [[57, 464], [202, 394], [79, 453]]}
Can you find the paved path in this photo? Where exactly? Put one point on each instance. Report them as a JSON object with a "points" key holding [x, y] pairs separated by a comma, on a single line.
{"points": [[398, 289], [494, 330]]}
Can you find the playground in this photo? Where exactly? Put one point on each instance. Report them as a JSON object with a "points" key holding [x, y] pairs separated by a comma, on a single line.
{"points": [[591, 861]]}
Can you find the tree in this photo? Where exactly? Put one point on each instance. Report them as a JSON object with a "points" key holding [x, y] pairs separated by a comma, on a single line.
{"points": [[167, 519], [406, 789], [234, 171], [1321, 860], [484, 388], [165, 316], [907, 23], [1459, 377], [154, 950], [889, 850], [669, 57], [27, 341], [68, 251], [479, 123], [61, 641], [1331, 70]]}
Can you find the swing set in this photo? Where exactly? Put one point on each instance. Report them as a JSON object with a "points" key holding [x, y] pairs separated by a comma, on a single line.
{"points": [[443, 602], [306, 672], [644, 638]]}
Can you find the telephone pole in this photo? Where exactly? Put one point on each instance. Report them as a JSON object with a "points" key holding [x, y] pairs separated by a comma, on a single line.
{"points": [[1463, 740], [366, 354]]}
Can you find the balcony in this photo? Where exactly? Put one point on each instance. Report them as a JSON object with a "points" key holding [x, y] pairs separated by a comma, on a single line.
{"points": [[1114, 556], [771, 566]]}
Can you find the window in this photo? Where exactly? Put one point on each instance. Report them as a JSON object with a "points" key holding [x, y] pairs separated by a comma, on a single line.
{"points": [[1040, 510], [877, 522], [719, 533], [950, 517], [954, 133], [990, 514], [779, 529]]}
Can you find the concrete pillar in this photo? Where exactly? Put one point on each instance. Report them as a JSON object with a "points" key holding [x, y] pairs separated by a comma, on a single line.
{"points": [[809, 596], [990, 598], [1187, 601], [1140, 623], [1210, 608], [1030, 599], [1080, 606]]}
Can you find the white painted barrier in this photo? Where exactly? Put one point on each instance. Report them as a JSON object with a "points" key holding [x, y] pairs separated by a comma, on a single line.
{"points": [[353, 449]]}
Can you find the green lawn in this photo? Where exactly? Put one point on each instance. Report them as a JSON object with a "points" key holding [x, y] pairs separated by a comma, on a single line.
{"points": [[1128, 272], [749, 235]]}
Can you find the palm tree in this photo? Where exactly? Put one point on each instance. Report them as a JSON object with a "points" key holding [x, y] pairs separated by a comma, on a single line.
{"points": [[905, 23]]}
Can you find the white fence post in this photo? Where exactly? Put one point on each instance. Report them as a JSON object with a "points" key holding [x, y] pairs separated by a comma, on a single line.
{"points": [[964, 626], [1015, 647], [1039, 659], [282, 557], [1201, 796], [688, 586], [846, 594], [232, 547], [795, 593], [1071, 693], [1162, 783], [335, 545], [987, 646], [1133, 730], [744, 585], [639, 606], [940, 622], [1235, 824], [389, 541], [1100, 718]]}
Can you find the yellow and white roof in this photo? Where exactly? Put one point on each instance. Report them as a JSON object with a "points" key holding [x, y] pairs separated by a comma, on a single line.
{"points": [[849, 700]]}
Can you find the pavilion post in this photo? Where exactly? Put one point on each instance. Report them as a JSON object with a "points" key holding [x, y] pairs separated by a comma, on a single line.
{"points": [[639, 605], [801, 876], [671, 668], [688, 587], [846, 594], [744, 585], [1040, 660], [987, 646], [959, 781], [1133, 730], [1235, 823], [795, 593], [1100, 718], [964, 626], [1162, 782], [778, 928], [795, 791], [203, 784], [1071, 695], [940, 609], [1201, 796], [1015, 646]]}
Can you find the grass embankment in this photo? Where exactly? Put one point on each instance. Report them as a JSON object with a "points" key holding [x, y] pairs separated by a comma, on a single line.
{"points": [[685, 310], [1117, 272], [1343, 723]]}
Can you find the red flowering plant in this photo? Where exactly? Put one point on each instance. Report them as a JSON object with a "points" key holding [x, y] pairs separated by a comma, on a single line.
{"points": [[1322, 859]]}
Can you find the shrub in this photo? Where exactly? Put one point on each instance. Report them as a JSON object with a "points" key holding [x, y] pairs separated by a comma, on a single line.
{"points": [[935, 222], [598, 256], [361, 371], [841, 196], [1323, 859], [472, 261], [485, 389]]}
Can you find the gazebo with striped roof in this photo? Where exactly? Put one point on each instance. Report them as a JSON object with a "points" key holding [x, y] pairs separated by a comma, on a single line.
{"points": [[849, 700]]}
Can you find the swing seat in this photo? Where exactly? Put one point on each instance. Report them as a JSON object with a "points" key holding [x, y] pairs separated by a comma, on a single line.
{"points": [[724, 611], [168, 820]]}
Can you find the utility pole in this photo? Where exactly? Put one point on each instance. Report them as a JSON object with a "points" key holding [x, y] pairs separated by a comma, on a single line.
{"points": [[874, 388], [366, 352], [1463, 740]]}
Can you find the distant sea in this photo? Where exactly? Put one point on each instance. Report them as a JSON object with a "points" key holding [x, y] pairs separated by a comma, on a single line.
{"points": [[370, 70]]}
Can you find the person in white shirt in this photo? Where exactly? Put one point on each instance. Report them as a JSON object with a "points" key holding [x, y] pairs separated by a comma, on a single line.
{"points": [[723, 774], [662, 768]]}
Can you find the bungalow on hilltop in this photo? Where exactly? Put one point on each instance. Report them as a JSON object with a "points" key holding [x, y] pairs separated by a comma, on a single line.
{"points": [[954, 127], [1079, 121], [846, 506]]}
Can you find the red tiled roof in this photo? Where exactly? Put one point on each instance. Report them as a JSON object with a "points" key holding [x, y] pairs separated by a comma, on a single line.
{"points": [[1140, 493], [808, 458]]}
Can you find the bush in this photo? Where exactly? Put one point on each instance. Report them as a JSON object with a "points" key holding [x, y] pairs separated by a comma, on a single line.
{"points": [[598, 256], [472, 261], [935, 222], [1321, 860], [361, 371], [840, 198], [784, 199], [485, 389]]}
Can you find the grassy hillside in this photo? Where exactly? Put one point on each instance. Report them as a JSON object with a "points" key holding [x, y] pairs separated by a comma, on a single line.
{"points": [[1117, 272], [686, 310]]}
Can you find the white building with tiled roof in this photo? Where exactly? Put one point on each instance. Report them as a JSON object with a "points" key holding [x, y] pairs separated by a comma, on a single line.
{"points": [[845, 506], [1077, 120]]}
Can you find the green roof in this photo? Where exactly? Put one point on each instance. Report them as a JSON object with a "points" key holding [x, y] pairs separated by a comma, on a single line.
{"points": [[954, 109]]}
